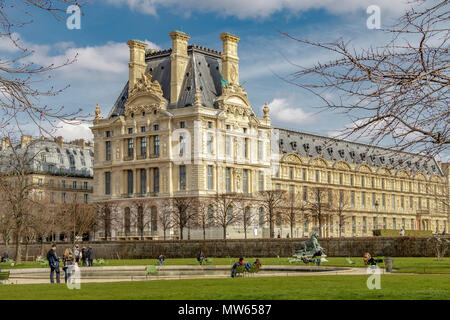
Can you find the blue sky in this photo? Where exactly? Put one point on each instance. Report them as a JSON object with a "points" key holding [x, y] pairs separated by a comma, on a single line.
{"points": [[265, 55]]}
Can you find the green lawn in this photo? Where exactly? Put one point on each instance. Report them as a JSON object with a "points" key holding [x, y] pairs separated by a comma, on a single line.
{"points": [[420, 287], [401, 264]]}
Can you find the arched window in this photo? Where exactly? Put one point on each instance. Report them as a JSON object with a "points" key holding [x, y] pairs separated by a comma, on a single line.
{"points": [[140, 211], [210, 214], [127, 221], [261, 216], [154, 219], [247, 215]]}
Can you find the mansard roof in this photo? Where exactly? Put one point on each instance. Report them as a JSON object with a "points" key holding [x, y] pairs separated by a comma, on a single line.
{"points": [[311, 145], [203, 71], [51, 158]]}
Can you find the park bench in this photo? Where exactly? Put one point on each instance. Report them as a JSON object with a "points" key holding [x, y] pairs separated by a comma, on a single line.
{"points": [[253, 269], [4, 275], [240, 270]]}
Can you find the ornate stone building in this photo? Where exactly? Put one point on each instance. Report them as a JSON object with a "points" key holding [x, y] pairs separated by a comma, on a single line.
{"points": [[183, 126]]}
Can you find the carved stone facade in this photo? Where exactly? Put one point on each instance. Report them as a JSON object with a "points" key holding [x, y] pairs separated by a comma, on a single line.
{"points": [[185, 128]]}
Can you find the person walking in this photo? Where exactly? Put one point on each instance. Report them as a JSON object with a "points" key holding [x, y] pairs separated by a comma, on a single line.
{"points": [[90, 254], [53, 261], [200, 257], [76, 253], [84, 256], [68, 264]]}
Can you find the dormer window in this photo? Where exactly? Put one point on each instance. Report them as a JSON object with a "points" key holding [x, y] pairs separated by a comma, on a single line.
{"points": [[306, 147], [352, 154], [330, 151], [318, 149], [363, 156], [382, 160], [408, 163], [293, 144], [391, 160], [417, 165], [341, 153], [281, 142], [372, 158]]}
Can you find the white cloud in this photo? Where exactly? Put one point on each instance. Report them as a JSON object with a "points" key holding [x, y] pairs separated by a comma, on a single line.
{"points": [[74, 131], [258, 8], [281, 110]]}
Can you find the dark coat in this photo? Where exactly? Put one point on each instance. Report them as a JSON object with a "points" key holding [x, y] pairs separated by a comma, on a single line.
{"points": [[90, 254]]}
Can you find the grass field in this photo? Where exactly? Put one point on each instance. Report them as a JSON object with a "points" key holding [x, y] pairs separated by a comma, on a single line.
{"points": [[422, 287], [401, 264]]}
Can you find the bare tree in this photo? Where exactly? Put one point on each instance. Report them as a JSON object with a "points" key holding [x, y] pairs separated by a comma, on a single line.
{"points": [[318, 206], [17, 186], [165, 217], [340, 203], [226, 213], [21, 81], [244, 207], [293, 211], [272, 200], [106, 217], [396, 93], [43, 222], [182, 213], [76, 219], [6, 224], [203, 215], [140, 213]]}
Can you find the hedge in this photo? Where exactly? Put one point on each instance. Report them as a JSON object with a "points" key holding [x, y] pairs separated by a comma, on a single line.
{"points": [[393, 233]]}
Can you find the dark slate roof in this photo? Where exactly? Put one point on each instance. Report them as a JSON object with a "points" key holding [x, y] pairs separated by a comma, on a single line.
{"points": [[311, 145], [203, 71], [50, 158]]}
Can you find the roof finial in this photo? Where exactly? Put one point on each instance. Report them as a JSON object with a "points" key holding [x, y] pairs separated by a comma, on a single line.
{"points": [[97, 112], [266, 111]]}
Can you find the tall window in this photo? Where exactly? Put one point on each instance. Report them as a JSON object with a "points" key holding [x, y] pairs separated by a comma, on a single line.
{"points": [[384, 223], [411, 203], [329, 177], [245, 148], [210, 177], [402, 202], [143, 146], [182, 144], [317, 176], [260, 150], [261, 216], [107, 182], [210, 214], [341, 178], [305, 194], [277, 171], [382, 183], [375, 222], [154, 219], [352, 196], [394, 223], [143, 181], [363, 181], [352, 180], [383, 201], [156, 180], [363, 199], [291, 173], [245, 181], [108, 150], [227, 145], [130, 181], [85, 198], [228, 180], [156, 146], [393, 202], [130, 147], [304, 174], [291, 193], [127, 221], [364, 225], [183, 177], [260, 180], [209, 143]]}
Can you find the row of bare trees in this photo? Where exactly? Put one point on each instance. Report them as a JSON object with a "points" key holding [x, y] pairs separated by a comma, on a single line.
{"points": [[270, 207]]}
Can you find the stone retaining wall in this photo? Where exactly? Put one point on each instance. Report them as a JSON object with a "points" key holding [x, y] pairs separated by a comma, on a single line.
{"points": [[334, 247]]}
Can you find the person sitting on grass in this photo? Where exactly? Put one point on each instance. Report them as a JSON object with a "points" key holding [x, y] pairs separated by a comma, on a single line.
{"points": [[161, 259], [305, 259], [257, 263], [200, 257], [5, 257], [235, 265], [368, 260]]}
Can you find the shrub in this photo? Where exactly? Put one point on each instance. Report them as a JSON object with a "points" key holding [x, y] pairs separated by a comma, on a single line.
{"points": [[393, 233]]}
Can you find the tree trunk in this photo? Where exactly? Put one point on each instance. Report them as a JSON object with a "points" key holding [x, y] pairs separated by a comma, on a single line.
{"points": [[26, 251], [18, 249], [204, 233], [224, 232], [181, 233]]}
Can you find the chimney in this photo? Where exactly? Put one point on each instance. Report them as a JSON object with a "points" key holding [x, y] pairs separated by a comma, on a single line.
{"points": [[5, 143], [230, 59], [179, 59], [24, 140], [59, 140], [137, 65]]}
